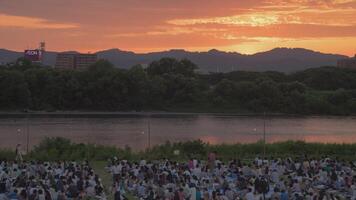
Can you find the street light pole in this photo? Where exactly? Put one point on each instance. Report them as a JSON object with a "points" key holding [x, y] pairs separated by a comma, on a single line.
{"points": [[149, 132], [88, 142], [264, 135], [27, 135]]}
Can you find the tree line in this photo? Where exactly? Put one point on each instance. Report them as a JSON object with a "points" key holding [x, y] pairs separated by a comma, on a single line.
{"points": [[174, 85]]}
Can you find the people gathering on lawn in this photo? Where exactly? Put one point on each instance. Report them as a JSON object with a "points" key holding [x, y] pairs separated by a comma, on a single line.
{"points": [[213, 179], [48, 181]]}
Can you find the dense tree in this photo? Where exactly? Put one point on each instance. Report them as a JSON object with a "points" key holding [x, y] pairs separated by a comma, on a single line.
{"points": [[172, 66], [14, 91], [327, 78], [170, 84], [138, 88]]}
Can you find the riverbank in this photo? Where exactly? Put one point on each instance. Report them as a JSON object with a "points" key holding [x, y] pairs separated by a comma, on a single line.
{"points": [[53, 149]]}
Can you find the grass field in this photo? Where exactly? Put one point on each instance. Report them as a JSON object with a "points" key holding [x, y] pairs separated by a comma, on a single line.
{"points": [[54, 149], [99, 168], [61, 149]]}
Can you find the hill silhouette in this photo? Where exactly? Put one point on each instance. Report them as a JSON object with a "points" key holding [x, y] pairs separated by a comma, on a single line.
{"points": [[278, 59]]}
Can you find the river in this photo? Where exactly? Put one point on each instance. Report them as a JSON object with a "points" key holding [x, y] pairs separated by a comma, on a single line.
{"points": [[133, 130]]}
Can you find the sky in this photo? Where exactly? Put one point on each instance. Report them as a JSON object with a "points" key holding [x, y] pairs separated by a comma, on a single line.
{"points": [[196, 25]]}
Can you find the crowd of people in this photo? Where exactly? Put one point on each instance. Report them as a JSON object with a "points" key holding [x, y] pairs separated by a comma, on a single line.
{"points": [[48, 181], [213, 179]]}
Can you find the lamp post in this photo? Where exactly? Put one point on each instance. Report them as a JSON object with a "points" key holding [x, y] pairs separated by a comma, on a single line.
{"points": [[88, 143], [19, 139], [149, 132], [264, 147], [264, 135], [19, 133], [27, 135]]}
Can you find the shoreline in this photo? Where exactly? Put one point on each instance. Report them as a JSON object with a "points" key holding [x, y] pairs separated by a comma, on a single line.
{"points": [[145, 114]]}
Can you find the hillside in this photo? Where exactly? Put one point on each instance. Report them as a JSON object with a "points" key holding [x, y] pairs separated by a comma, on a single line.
{"points": [[278, 59]]}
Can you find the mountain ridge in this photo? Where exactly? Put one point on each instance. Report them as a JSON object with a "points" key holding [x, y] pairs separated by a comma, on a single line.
{"points": [[278, 59]]}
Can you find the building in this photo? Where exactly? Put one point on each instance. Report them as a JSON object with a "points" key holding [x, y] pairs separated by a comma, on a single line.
{"points": [[35, 55], [83, 61], [65, 61], [76, 61], [349, 63]]}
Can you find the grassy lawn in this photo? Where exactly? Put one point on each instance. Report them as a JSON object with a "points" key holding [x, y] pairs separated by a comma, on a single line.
{"points": [[99, 168]]}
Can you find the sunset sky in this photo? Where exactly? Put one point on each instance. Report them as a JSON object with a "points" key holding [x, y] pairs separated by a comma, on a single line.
{"points": [[197, 25]]}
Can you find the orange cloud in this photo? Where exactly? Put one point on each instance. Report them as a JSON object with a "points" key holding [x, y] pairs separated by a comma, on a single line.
{"points": [[263, 16], [246, 19], [141, 25], [32, 23]]}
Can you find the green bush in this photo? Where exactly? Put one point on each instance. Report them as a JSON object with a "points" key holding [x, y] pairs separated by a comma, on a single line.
{"points": [[63, 149], [53, 149], [6, 154]]}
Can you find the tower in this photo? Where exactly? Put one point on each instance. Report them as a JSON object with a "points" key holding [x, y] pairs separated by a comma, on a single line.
{"points": [[42, 49], [42, 46]]}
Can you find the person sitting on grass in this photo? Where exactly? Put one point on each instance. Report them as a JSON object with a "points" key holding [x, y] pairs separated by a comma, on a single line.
{"points": [[48, 181]]}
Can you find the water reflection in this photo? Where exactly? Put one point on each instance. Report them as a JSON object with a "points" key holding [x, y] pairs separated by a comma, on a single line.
{"points": [[132, 131]]}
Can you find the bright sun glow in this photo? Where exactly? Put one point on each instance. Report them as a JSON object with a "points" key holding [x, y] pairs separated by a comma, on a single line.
{"points": [[146, 26], [249, 20]]}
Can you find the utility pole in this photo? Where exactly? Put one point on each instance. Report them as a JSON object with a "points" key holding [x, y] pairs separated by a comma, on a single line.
{"points": [[27, 135], [264, 135], [149, 131], [88, 144], [264, 148]]}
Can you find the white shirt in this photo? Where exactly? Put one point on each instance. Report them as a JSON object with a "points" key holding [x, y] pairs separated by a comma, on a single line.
{"points": [[116, 169], [250, 196]]}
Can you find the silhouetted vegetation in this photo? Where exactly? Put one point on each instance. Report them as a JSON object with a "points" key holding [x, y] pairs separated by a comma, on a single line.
{"points": [[173, 85], [54, 149]]}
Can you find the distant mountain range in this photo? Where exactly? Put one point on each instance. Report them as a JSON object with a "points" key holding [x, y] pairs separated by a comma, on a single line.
{"points": [[278, 59]]}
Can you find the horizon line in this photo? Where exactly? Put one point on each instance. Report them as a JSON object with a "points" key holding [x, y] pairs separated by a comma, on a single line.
{"points": [[178, 49]]}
